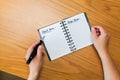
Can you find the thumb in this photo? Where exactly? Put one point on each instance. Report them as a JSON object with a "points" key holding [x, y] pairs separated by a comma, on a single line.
{"points": [[94, 34], [40, 51]]}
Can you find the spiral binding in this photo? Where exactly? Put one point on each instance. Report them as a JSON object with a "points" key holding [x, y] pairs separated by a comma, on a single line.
{"points": [[68, 36]]}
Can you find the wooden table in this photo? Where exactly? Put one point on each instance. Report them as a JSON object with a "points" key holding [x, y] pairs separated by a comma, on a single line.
{"points": [[20, 19]]}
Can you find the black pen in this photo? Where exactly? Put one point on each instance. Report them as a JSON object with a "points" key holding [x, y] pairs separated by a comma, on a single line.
{"points": [[34, 52]]}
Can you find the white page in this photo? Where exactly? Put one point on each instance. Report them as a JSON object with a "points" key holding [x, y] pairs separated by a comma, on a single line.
{"points": [[54, 41], [79, 30]]}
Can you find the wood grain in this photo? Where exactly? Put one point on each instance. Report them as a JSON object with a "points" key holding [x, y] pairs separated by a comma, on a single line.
{"points": [[20, 19]]}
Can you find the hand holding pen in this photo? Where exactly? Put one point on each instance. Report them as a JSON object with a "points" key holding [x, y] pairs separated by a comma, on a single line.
{"points": [[37, 59], [34, 52]]}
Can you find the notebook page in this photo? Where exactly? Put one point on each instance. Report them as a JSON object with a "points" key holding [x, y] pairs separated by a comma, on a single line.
{"points": [[54, 41], [79, 30]]}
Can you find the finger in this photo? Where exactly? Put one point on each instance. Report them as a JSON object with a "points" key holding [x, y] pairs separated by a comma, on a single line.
{"points": [[44, 50], [41, 50], [101, 29], [30, 49], [94, 34]]}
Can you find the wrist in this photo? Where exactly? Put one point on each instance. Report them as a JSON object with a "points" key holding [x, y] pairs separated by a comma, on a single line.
{"points": [[103, 54], [33, 76], [102, 51]]}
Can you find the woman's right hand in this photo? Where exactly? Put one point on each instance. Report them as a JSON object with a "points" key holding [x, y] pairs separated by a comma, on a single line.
{"points": [[100, 39]]}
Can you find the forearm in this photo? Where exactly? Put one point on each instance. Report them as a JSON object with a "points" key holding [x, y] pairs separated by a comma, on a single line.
{"points": [[110, 70]]}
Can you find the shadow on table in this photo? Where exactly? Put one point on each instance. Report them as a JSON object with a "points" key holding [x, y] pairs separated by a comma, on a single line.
{"points": [[7, 76]]}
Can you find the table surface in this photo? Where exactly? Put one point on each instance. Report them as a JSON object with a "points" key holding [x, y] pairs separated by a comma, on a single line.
{"points": [[20, 19]]}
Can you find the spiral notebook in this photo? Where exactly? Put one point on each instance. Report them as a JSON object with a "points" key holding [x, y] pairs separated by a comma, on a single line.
{"points": [[66, 36]]}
